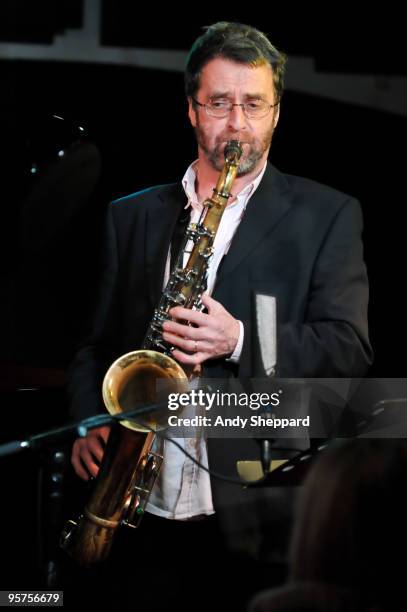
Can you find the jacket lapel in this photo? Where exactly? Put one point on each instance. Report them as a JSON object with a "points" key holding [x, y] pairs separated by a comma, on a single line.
{"points": [[161, 220], [268, 205]]}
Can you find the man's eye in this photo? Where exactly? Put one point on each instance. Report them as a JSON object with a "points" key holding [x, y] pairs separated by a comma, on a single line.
{"points": [[254, 104], [219, 104]]}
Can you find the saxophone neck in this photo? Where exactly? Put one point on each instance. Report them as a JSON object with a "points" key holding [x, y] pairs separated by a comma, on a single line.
{"points": [[221, 193]]}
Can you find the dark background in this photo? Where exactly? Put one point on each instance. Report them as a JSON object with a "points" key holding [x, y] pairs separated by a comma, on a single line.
{"points": [[136, 134]]}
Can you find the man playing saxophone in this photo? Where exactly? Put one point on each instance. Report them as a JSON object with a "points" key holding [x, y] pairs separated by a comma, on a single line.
{"points": [[285, 235]]}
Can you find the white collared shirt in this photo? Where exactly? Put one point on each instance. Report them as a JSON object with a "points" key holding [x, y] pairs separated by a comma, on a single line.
{"points": [[182, 489]]}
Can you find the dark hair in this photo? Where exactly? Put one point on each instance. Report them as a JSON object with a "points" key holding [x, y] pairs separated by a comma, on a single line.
{"points": [[237, 42], [351, 519]]}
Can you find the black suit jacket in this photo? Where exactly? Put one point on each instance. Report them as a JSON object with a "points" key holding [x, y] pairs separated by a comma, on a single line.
{"points": [[299, 241]]}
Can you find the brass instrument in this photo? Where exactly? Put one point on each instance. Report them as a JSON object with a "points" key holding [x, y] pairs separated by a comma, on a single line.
{"points": [[129, 467]]}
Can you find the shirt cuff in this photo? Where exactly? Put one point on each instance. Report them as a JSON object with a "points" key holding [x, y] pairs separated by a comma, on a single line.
{"points": [[235, 356]]}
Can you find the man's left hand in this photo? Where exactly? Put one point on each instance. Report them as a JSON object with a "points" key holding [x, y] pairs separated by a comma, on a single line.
{"points": [[210, 335]]}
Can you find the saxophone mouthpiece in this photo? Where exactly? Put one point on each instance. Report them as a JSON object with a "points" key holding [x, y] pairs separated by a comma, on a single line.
{"points": [[233, 150]]}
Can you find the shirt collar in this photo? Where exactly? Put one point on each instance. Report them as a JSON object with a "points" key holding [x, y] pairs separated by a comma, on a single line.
{"points": [[189, 179]]}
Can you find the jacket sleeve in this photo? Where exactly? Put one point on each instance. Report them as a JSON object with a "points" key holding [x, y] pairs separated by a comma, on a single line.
{"points": [[97, 351]]}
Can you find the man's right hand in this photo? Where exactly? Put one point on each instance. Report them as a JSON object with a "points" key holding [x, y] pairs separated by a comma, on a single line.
{"points": [[86, 450]]}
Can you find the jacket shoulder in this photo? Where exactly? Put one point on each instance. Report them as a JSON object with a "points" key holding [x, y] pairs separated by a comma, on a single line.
{"points": [[305, 189], [148, 198]]}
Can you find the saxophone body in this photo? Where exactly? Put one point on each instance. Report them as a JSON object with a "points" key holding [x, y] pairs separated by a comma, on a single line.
{"points": [[129, 467]]}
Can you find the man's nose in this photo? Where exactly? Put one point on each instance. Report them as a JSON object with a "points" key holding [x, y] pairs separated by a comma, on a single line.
{"points": [[237, 118]]}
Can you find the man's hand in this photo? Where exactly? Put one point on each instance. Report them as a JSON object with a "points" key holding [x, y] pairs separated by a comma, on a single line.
{"points": [[86, 450], [211, 335]]}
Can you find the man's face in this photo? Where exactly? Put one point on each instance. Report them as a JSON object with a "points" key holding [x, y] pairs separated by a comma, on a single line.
{"points": [[222, 79]]}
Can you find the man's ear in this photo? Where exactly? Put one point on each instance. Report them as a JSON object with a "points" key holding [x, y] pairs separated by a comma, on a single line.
{"points": [[191, 112]]}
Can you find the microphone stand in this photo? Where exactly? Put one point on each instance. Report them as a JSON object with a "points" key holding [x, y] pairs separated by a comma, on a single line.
{"points": [[81, 429]]}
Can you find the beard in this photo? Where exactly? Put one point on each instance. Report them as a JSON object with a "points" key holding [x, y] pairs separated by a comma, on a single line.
{"points": [[253, 150]]}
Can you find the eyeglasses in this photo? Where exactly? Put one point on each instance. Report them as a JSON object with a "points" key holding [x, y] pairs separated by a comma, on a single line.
{"points": [[255, 109]]}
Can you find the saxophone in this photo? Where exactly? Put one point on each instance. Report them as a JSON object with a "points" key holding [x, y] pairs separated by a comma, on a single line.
{"points": [[129, 467]]}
